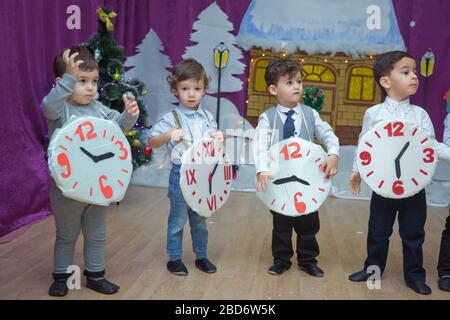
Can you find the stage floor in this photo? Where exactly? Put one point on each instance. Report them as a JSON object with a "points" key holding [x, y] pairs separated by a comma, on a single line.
{"points": [[239, 244]]}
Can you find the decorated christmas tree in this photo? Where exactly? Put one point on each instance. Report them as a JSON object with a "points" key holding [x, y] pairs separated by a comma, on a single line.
{"points": [[112, 83]]}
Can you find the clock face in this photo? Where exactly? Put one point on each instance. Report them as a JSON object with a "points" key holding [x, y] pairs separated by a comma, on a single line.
{"points": [[205, 177], [90, 161], [396, 159], [298, 186]]}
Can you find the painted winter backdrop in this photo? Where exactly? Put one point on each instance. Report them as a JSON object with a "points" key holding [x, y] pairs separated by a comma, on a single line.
{"points": [[314, 26], [320, 26], [152, 66]]}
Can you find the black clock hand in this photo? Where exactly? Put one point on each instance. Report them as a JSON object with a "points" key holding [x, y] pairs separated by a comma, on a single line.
{"points": [[292, 178], [397, 160], [210, 177], [214, 170], [90, 155], [105, 156]]}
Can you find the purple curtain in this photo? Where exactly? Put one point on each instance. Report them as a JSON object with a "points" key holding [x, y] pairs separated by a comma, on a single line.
{"points": [[32, 32], [425, 24]]}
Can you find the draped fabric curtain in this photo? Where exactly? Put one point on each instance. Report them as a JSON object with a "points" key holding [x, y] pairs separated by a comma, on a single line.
{"points": [[32, 32]]}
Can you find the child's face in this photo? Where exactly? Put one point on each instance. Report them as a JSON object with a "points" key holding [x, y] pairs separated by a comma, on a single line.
{"points": [[85, 87], [190, 92], [402, 82], [288, 90]]}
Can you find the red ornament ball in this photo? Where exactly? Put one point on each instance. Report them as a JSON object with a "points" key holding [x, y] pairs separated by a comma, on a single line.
{"points": [[148, 151]]}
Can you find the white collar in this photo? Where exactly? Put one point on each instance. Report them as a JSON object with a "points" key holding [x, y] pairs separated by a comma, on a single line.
{"points": [[188, 111], [284, 109], [393, 104]]}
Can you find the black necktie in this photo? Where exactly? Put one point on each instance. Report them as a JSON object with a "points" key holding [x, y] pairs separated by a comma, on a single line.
{"points": [[289, 128]]}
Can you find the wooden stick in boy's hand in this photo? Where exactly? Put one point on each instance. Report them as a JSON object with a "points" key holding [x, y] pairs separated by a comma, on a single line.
{"points": [[72, 67], [131, 105], [355, 183]]}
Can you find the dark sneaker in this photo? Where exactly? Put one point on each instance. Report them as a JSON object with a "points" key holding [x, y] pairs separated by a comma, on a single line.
{"points": [[359, 276], [59, 286], [312, 270], [420, 287], [205, 265], [177, 267], [102, 286], [278, 268], [444, 283]]}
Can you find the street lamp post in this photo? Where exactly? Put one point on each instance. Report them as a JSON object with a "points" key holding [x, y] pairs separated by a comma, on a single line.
{"points": [[426, 70], [221, 54]]}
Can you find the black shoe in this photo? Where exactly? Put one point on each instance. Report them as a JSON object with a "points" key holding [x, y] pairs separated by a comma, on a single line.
{"points": [[102, 285], [205, 265], [177, 267], [444, 283], [59, 286], [313, 270], [419, 287], [359, 276], [278, 268]]}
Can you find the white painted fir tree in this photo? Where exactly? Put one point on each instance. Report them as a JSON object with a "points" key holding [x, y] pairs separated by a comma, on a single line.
{"points": [[150, 65], [213, 27]]}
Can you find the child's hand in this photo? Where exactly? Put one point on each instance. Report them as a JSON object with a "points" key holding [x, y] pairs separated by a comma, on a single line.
{"points": [[177, 135], [131, 105], [355, 183], [330, 166], [262, 179], [72, 67], [219, 135]]}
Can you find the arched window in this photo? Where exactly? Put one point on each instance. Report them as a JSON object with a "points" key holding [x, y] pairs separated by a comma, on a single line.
{"points": [[318, 73], [259, 84], [361, 84]]}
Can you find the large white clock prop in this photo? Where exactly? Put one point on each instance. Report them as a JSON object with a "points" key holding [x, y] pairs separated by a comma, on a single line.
{"points": [[90, 160], [396, 159], [298, 186], [205, 176]]}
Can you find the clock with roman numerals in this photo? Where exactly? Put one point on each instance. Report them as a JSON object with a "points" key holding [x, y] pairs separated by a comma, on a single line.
{"points": [[90, 160], [396, 159], [298, 186], [205, 176]]}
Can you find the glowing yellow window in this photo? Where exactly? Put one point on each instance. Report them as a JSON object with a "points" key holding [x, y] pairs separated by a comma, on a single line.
{"points": [[361, 85], [260, 71], [319, 73]]}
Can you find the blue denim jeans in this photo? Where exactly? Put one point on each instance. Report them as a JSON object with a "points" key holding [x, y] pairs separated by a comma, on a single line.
{"points": [[179, 211]]}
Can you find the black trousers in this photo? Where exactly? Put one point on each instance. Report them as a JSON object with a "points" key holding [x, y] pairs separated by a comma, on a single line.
{"points": [[444, 253], [412, 213], [306, 228]]}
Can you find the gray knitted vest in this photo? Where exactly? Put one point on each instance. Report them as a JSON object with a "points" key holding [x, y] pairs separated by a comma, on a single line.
{"points": [[308, 120]]}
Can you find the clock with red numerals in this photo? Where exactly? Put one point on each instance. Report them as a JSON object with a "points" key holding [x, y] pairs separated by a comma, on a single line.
{"points": [[298, 186], [205, 176], [90, 160], [396, 159]]}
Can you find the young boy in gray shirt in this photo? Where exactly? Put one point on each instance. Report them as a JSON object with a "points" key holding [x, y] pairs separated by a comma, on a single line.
{"points": [[77, 75]]}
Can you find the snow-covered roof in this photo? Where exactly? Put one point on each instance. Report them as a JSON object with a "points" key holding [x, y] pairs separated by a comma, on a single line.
{"points": [[356, 28]]}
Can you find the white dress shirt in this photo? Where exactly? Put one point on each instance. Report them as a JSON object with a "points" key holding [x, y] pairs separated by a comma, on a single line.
{"points": [[447, 130], [322, 130], [391, 109]]}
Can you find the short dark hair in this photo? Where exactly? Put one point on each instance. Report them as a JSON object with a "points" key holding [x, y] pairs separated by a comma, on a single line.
{"points": [[187, 69], [89, 64], [384, 64], [280, 67]]}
